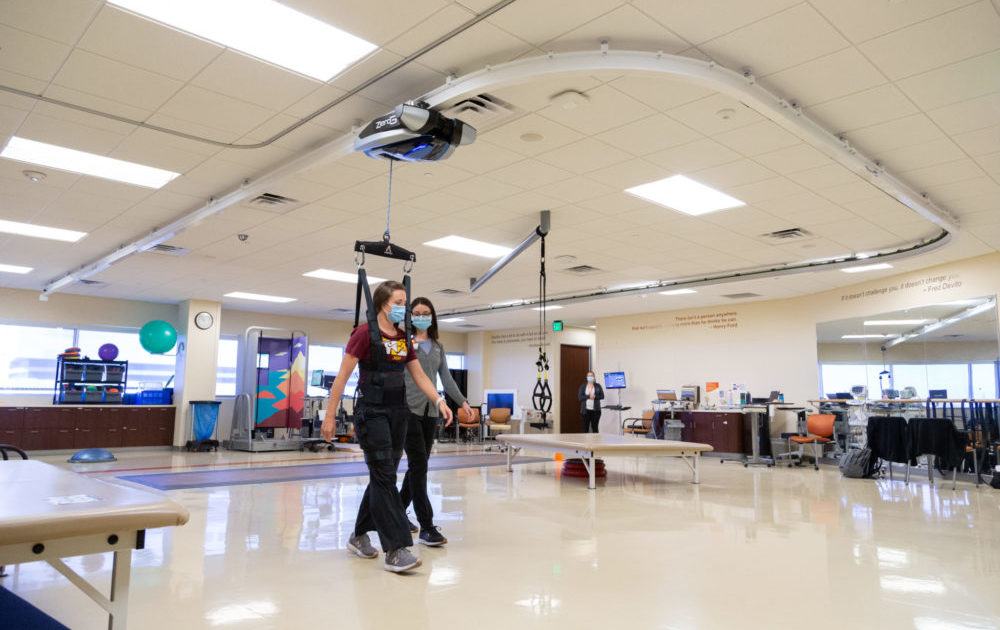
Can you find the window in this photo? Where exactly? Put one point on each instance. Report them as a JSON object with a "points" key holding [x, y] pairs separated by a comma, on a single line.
{"points": [[456, 361], [984, 380], [28, 360], [910, 375], [145, 370], [953, 377], [225, 374], [838, 377], [328, 359], [961, 380]]}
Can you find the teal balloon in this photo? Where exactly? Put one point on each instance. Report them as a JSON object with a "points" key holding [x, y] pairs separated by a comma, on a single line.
{"points": [[158, 336]]}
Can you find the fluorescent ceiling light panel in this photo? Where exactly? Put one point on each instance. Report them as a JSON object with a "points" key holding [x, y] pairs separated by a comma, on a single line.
{"points": [[464, 245], [339, 276], [240, 295], [264, 29], [863, 268], [867, 336], [40, 231], [678, 292], [15, 269], [894, 322], [684, 195], [54, 156], [451, 320], [550, 307]]}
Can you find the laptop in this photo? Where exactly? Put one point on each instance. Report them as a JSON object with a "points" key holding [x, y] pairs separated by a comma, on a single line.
{"points": [[666, 394]]}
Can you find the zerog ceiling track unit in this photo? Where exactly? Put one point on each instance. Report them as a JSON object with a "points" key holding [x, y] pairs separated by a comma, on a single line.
{"points": [[740, 85]]}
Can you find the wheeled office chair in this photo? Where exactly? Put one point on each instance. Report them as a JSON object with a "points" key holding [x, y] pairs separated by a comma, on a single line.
{"points": [[640, 426], [819, 433], [470, 423]]}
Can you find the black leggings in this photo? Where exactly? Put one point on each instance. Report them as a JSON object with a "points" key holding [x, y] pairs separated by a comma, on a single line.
{"points": [[381, 433], [591, 421], [419, 442]]}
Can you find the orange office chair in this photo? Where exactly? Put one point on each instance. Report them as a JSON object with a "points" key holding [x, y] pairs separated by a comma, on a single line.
{"points": [[470, 423], [499, 420], [641, 425], [819, 433]]}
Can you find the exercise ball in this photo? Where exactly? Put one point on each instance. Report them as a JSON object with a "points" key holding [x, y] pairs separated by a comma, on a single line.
{"points": [[157, 336], [108, 352], [92, 456]]}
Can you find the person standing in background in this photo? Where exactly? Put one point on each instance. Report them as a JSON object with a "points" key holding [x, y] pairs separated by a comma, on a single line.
{"points": [[591, 394]]}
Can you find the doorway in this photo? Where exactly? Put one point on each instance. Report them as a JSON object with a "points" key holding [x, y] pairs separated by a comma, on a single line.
{"points": [[574, 363]]}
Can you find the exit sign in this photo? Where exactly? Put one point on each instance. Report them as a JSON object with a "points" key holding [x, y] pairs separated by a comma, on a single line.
{"points": [[557, 325]]}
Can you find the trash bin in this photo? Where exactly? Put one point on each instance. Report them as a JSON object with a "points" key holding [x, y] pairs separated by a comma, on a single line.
{"points": [[205, 414], [673, 430]]}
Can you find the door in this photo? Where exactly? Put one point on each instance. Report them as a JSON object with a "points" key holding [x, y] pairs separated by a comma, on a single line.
{"points": [[574, 363]]}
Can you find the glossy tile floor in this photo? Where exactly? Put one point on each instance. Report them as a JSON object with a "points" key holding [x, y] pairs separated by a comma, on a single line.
{"points": [[758, 548]]}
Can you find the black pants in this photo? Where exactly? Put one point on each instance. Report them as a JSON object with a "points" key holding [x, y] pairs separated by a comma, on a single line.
{"points": [[381, 433], [591, 420], [419, 441]]}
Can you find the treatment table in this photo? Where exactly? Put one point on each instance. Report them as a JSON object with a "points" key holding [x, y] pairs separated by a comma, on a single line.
{"points": [[48, 513], [590, 446]]}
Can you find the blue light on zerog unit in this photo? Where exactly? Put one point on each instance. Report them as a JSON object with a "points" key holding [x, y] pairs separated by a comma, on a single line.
{"points": [[416, 153]]}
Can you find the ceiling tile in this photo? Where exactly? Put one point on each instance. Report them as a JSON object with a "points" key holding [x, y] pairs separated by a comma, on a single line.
{"points": [[938, 151], [831, 76], [715, 114], [624, 28], [895, 134], [980, 142], [575, 189], [31, 55], [584, 156], [441, 23], [957, 82], [863, 109], [630, 173], [92, 74], [69, 134], [530, 174], [862, 20], [61, 20], [542, 20], [648, 135], [91, 101], [757, 138], [198, 105], [483, 157], [855, 190], [793, 159], [700, 20], [823, 176], [733, 174], [142, 43], [254, 81], [407, 83], [604, 109], [149, 149], [509, 136], [377, 22], [969, 115], [481, 45], [535, 95], [483, 189], [774, 43], [766, 189], [660, 93], [951, 37], [947, 173], [991, 164], [693, 156]]}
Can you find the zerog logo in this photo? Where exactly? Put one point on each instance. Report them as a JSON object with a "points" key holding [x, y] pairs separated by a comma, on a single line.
{"points": [[391, 120]]}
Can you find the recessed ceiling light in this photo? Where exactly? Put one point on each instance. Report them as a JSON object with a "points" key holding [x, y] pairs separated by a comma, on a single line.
{"points": [[550, 307], [240, 295], [15, 269], [40, 231], [678, 292], [469, 246], [894, 322], [684, 195], [264, 29], [863, 268], [339, 276], [451, 320], [34, 176], [867, 336], [33, 152]]}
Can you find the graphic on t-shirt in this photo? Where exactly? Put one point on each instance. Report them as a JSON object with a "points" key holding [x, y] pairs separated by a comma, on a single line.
{"points": [[395, 349]]}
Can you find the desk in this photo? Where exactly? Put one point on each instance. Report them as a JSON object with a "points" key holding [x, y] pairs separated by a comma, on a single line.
{"points": [[48, 513], [588, 446]]}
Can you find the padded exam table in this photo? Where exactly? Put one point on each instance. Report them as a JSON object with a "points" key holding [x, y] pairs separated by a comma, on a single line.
{"points": [[590, 446], [48, 513]]}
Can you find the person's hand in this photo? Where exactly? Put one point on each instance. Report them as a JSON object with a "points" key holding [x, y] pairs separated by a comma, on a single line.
{"points": [[328, 428], [445, 413], [468, 408]]}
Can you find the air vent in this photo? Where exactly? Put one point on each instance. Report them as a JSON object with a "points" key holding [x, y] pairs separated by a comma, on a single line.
{"points": [[97, 284], [742, 296], [343, 311], [468, 326], [169, 250], [272, 202], [791, 234], [582, 270], [482, 111], [448, 292]]}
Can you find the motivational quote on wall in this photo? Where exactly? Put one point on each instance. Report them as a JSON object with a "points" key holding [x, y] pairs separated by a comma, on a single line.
{"points": [[930, 284], [721, 320], [529, 338]]}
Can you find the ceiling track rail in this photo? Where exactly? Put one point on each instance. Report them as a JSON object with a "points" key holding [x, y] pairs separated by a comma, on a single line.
{"points": [[742, 86]]}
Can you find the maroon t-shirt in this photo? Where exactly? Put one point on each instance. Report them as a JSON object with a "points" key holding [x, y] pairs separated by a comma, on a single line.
{"points": [[398, 348]]}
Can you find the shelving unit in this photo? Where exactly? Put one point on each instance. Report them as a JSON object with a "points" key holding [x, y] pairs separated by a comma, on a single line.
{"points": [[88, 381]]}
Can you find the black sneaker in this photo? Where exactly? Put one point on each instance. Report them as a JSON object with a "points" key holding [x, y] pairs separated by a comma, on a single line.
{"points": [[413, 527], [432, 537]]}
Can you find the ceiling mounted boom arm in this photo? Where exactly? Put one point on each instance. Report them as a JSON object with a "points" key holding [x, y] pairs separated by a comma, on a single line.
{"points": [[541, 230]]}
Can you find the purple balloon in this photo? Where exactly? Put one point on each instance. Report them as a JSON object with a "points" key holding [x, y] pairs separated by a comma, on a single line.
{"points": [[108, 352]]}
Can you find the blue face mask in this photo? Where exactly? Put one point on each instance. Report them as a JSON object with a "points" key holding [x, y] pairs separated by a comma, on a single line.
{"points": [[422, 322], [397, 313]]}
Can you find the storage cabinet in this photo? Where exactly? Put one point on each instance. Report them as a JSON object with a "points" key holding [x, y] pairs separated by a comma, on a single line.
{"points": [[70, 428], [722, 430]]}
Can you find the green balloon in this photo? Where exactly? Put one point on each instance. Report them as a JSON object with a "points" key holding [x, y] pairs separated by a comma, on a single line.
{"points": [[157, 336]]}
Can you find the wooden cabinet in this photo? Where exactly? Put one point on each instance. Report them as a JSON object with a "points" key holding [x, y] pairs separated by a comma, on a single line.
{"points": [[135, 427], [70, 428], [11, 425], [723, 430], [161, 426]]}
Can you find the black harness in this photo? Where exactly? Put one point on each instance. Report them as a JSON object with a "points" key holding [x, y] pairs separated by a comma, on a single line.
{"points": [[541, 396]]}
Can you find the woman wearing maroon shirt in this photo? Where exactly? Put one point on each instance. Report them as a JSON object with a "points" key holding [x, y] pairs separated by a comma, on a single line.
{"points": [[380, 418]]}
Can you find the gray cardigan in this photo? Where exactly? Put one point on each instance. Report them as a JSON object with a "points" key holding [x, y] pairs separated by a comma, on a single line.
{"points": [[434, 363]]}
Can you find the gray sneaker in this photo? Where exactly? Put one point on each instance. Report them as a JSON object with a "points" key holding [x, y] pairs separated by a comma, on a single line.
{"points": [[401, 560], [362, 547]]}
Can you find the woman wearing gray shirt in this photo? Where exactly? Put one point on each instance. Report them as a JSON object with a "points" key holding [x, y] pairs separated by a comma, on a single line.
{"points": [[423, 418]]}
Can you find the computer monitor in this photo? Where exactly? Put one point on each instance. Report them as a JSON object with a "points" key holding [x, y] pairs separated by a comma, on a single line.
{"points": [[666, 394], [775, 395], [328, 380], [507, 398], [316, 380], [938, 393], [614, 380]]}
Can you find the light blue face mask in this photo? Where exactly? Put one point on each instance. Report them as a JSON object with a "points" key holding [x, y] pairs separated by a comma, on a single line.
{"points": [[397, 313], [422, 322]]}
